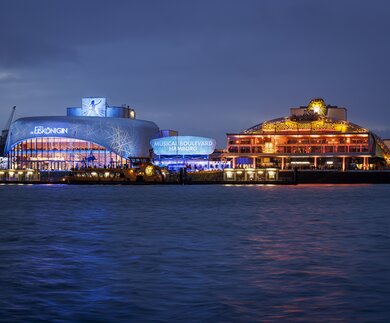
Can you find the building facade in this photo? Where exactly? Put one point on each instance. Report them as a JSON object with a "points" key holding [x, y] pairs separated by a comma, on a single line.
{"points": [[190, 152], [95, 135], [317, 136]]}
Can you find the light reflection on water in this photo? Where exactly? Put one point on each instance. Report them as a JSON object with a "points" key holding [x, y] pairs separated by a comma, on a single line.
{"points": [[195, 253]]}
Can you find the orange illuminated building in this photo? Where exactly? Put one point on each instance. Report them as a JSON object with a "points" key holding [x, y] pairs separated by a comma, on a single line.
{"points": [[314, 137]]}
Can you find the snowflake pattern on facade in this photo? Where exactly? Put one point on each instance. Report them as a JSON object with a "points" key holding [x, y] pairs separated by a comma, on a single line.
{"points": [[127, 138], [121, 141]]}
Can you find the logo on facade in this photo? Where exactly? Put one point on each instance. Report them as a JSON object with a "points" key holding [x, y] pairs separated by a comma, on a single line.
{"points": [[40, 130]]}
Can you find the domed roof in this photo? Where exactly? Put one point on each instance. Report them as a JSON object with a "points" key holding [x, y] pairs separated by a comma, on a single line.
{"points": [[310, 123]]}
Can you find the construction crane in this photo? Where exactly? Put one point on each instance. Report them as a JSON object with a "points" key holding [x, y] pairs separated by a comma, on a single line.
{"points": [[4, 133]]}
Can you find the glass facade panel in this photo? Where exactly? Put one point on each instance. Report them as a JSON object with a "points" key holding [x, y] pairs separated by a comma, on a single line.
{"points": [[61, 154]]}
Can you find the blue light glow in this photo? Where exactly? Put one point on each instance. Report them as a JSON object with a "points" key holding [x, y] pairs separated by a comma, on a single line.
{"points": [[93, 107], [183, 145], [125, 137]]}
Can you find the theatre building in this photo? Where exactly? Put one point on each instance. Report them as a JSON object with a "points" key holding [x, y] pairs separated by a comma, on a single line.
{"points": [[95, 134], [189, 152], [317, 136]]}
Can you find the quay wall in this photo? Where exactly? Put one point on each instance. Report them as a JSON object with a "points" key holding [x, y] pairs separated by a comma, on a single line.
{"points": [[216, 177], [339, 177]]}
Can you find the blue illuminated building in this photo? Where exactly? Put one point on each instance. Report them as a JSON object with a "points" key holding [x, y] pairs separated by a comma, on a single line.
{"points": [[188, 152], [94, 134]]}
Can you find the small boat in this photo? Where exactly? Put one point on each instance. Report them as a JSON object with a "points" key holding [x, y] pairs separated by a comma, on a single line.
{"points": [[145, 173]]}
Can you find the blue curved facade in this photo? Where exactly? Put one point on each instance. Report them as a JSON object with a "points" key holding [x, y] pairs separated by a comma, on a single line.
{"points": [[183, 145], [66, 142], [125, 137]]}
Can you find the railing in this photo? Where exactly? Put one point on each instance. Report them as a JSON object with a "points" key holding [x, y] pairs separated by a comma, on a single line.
{"points": [[19, 175]]}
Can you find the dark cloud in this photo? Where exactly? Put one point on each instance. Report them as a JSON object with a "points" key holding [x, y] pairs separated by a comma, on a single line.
{"points": [[204, 67]]}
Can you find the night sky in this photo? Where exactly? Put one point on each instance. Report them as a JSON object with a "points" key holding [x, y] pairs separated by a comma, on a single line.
{"points": [[201, 67]]}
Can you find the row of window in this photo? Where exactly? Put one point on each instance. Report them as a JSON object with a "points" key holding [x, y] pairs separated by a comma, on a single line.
{"points": [[60, 153], [57, 144], [299, 149], [305, 140]]}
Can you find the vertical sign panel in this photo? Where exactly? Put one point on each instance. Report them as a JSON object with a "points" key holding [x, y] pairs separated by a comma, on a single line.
{"points": [[93, 107]]}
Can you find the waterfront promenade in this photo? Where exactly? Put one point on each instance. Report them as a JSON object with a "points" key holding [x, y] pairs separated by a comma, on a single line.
{"points": [[287, 177]]}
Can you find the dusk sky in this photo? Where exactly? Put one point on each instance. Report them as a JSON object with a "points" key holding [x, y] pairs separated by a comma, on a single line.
{"points": [[200, 67]]}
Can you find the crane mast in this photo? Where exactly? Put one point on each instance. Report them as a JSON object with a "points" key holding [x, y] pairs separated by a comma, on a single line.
{"points": [[4, 133]]}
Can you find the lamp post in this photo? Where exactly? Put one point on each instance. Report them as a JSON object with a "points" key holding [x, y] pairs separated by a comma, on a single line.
{"points": [[177, 151]]}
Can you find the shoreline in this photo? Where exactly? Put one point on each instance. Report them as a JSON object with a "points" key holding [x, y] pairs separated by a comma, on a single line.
{"points": [[285, 178]]}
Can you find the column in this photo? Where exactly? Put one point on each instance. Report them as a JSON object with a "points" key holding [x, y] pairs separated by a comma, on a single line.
{"points": [[282, 163], [254, 162], [343, 164], [234, 162], [365, 163], [315, 162]]}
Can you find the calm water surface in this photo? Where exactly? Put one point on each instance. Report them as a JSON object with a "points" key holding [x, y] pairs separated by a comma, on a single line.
{"points": [[195, 253]]}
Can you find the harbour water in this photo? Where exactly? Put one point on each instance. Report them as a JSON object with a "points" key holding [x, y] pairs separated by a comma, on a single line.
{"points": [[195, 253]]}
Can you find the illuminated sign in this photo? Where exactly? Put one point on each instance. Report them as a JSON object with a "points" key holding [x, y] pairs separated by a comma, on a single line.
{"points": [[93, 107], [183, 145], [40, 130]]}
